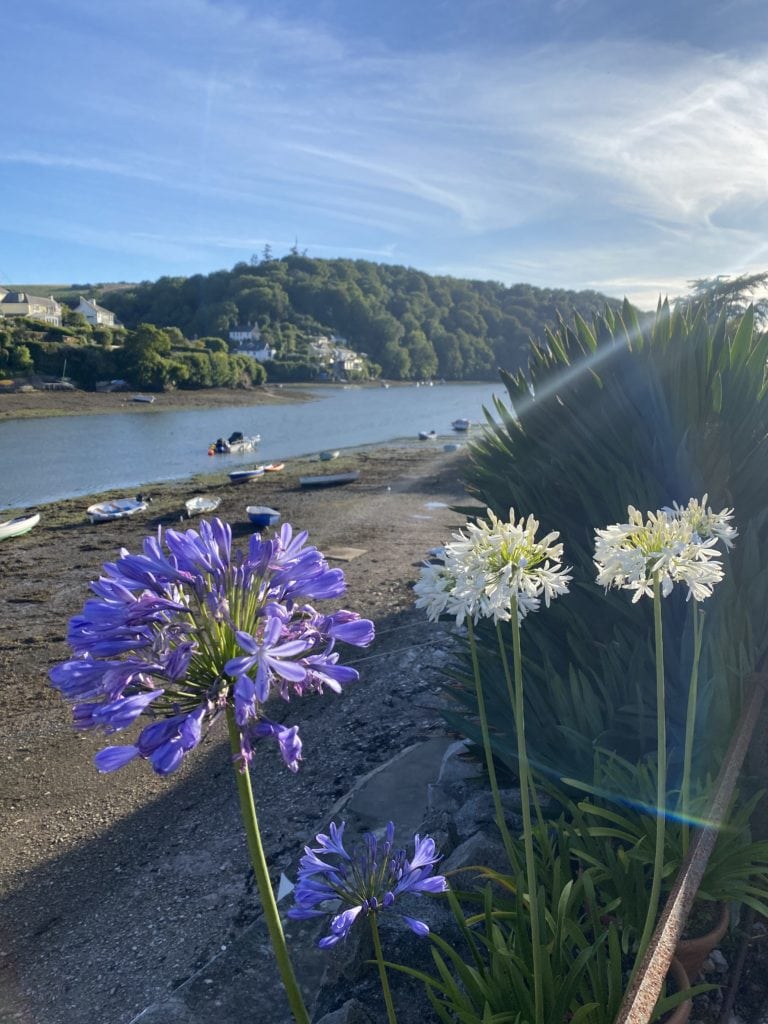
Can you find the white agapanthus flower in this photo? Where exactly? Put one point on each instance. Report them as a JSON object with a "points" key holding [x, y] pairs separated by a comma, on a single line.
{"points": [[670, 544], [481, 571], [704, 522]]}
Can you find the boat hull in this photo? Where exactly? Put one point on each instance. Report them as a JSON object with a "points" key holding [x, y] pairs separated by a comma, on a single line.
{"points": [[329, 479], [201, 506], [18, 526], [262, 515], [106, 511], [242, 476]]}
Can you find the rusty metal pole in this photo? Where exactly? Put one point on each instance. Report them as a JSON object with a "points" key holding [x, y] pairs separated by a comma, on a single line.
{"points": [[642, 995]]}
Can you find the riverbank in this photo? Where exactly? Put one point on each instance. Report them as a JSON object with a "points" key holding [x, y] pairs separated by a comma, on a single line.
{"points": [[39, 403], [117, 888]]}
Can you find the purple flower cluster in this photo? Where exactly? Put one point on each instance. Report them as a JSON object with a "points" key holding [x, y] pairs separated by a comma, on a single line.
{"points": [[364, 882], [188, 628]]}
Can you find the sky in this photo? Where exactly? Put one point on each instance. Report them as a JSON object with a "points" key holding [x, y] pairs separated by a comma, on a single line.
{"points": [[614, 145]]}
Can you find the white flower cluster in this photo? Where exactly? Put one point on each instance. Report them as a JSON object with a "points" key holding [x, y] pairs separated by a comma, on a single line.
{"points": [[677, 545], [481, 571]]}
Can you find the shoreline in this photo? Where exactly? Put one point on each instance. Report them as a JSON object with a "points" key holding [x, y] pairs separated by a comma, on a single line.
{"points": [[44, 404]]}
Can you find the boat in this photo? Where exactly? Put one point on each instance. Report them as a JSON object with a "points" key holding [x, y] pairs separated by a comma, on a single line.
{"points": [[328, 455], [200, 505], [106, 511], [274, 467], [235, 444], [262, 515], [329, 479], [425, 435], [148, 399], [18, 525], [451, 447], [241, 476], [461, 424]]}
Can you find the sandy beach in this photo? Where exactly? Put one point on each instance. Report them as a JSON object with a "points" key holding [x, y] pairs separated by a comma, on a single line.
{"points": [[115, 888]]}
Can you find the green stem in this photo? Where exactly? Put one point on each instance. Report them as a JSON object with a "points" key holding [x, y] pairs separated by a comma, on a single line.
{"points": [[690, 725], [525, 802], [509, 845], [391, 1015], [260, 870], [661, 780]]}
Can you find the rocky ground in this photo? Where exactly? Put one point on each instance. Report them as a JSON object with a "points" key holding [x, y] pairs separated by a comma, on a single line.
{"points": [[117, 888]]}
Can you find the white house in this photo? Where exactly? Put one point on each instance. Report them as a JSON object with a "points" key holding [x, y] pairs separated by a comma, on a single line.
{"points": [[245, 334], [96, 315], [34, 306]]}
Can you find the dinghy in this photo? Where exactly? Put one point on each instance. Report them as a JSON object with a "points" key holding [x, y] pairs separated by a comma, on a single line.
{"points": [[18, 525]]}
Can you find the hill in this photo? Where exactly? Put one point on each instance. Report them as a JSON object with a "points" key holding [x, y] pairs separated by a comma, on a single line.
{"points": [[409, 324]]}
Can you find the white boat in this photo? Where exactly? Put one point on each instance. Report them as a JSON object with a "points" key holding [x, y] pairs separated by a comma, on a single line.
{"points": [[241, 476], [329, 479], [235, 444], [328, 456], [18, 525], [148, 399], [425, 435], [262, 515], [461, 424], [274, 467], [105, 511], [200, 505]]}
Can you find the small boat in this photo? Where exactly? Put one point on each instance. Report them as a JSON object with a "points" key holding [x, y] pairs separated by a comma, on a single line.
{"points": [[235, 444], [18, 525], [262, 515], [241, 476], [328, 456], [329, 479], [148, 399], [461, 424], [451, 447], [425, 435], [200, 505], [106, 511], [274, 467]]}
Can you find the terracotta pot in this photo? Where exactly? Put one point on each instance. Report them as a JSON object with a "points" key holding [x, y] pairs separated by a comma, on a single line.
{"points": [[681, 1013], [693, 952]]}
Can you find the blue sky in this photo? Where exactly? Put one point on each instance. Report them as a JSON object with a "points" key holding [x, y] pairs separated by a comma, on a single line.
{"points": [[603, 144]]}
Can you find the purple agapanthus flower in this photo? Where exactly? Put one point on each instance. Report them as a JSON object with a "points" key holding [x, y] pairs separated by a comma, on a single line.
{"points": [[188, 628], [364, 882]]}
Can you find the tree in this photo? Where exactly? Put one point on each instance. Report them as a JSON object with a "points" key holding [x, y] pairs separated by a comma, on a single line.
{"points": [[729, 295]]}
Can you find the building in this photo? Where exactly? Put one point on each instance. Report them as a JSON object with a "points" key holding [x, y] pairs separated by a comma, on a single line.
{"points": [[333, 354], [34, 306], [96, 315], [244, 334], [246, 339]]}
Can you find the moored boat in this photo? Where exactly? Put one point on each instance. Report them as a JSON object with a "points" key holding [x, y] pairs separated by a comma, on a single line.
{"points": [[329, 479], [235, 444], [425, 435], [105, 511], [201, 505], [241, 476], [18, 525], [327, 456], [461, 424], [262, 515], [148, 399]]}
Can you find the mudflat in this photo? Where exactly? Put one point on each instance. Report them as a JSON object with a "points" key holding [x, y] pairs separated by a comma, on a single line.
{"points": [[115, 888]]}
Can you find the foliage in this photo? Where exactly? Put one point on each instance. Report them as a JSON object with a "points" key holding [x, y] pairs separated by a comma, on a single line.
{"points": [[411, 324], [643, 413], [731, 296]]}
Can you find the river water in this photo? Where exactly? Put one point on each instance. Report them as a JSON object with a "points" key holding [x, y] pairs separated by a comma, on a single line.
{"points": [[44, 460]]}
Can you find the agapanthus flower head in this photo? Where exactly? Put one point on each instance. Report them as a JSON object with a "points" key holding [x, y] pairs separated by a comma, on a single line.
{"points": [[665, 545], [705, 523], [188, 628], [367, 880], [490, 567]]}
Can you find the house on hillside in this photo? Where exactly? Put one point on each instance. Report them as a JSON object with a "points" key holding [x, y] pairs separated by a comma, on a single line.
{"points": [[333, 354], [245, 340], [34, 306], [95, 314]]}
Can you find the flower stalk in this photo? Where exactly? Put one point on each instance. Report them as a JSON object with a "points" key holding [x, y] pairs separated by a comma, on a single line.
{"points": [[385, 989], [525, 802], [261, 873], [690, 725], [509, 844]]}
